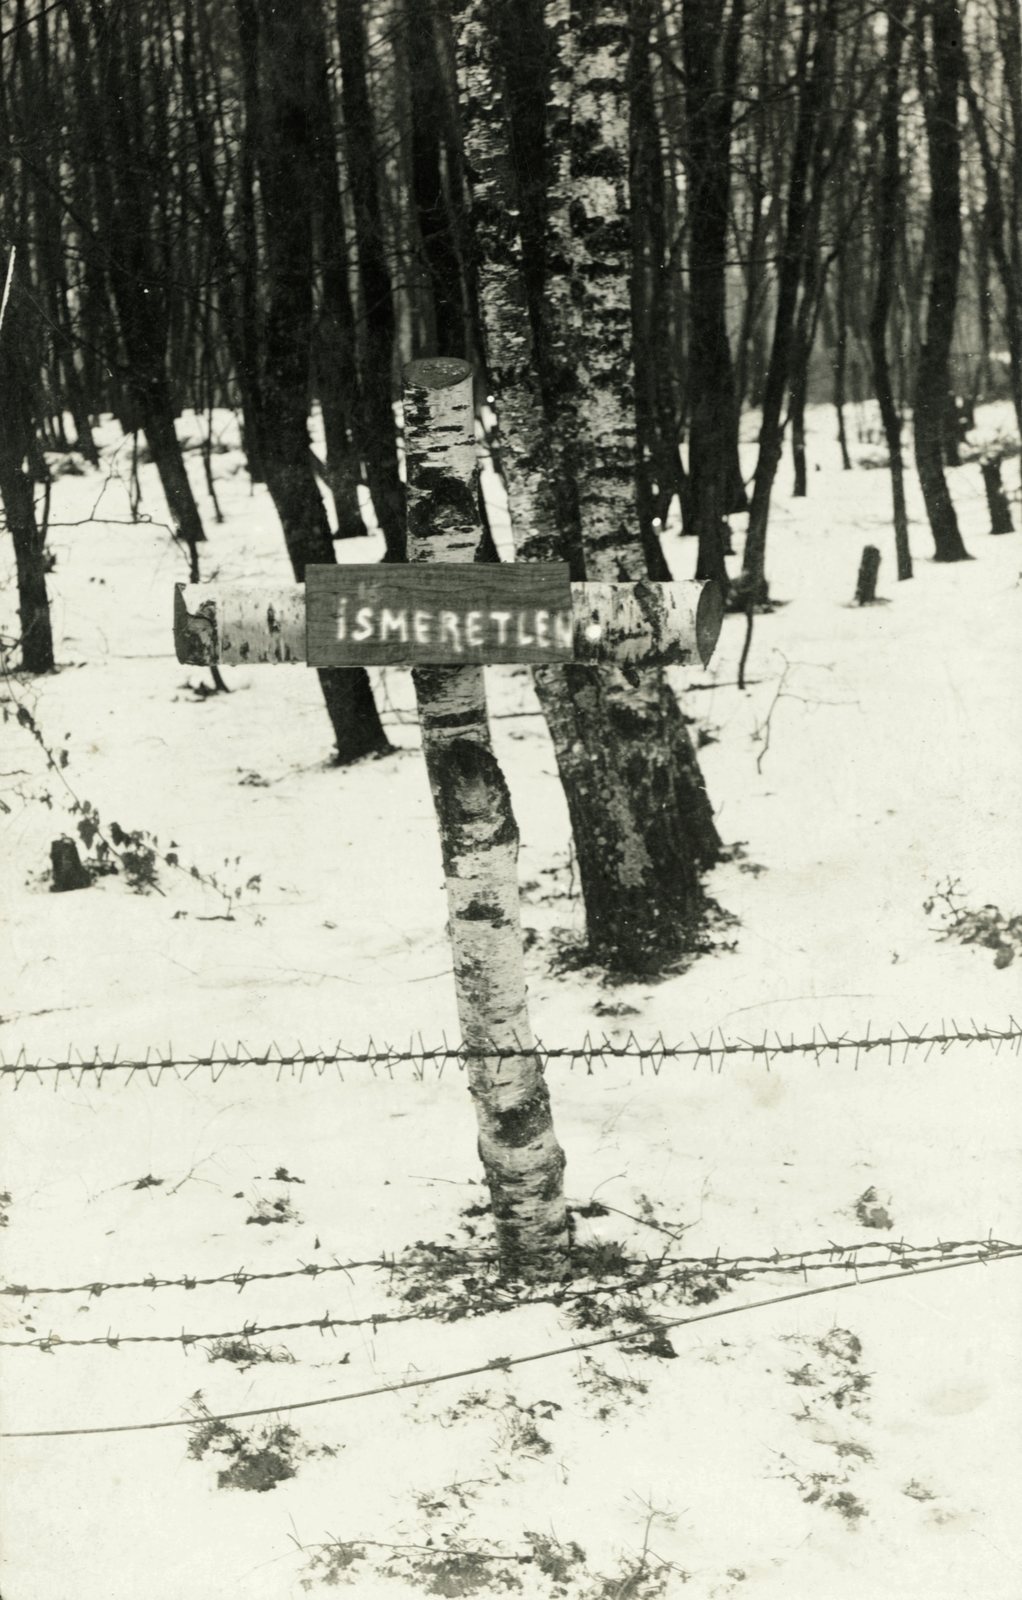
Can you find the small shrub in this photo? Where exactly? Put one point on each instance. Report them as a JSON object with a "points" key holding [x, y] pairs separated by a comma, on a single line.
{"points": [[268, 1211], [988, 927], [608, 1390], [870, 1212], [849, 1505], [243, 1354], [259, 1459], [555, 1560]]}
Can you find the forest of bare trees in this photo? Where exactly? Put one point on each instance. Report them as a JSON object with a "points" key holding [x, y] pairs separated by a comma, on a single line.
{"points": [[634, 218]]}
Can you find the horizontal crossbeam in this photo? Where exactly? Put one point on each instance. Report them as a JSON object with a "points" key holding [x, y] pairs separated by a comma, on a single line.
{"points": [[354, 615]]}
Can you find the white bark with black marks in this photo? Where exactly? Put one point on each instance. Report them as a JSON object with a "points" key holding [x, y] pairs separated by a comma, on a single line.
{"points": [[640, 814], [523, 1162]]}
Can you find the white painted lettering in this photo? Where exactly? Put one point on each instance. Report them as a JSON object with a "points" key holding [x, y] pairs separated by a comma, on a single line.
{"points": [[501, 618], [342, 616], [394, 622], [523, 637], [363, 628], [563, 629], [450, 625], [543, 629], [473, 630], [420, 622]]}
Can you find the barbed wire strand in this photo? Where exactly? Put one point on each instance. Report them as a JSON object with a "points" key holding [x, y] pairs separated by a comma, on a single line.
{"points": [[502, 1363], [645, 1275], [590, 1052], [395, 1264]]}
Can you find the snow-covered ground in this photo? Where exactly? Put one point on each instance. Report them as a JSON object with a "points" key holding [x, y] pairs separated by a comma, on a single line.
{"points": [[858, 1444]]}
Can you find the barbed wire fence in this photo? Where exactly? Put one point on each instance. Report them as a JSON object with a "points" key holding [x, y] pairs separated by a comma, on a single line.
{"points": [[662, 1272], [884, 1261], [658, 1327], [714, 1050], [798, 1261]]}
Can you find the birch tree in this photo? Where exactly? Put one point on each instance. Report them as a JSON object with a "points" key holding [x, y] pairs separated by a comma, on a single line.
{"points": [[523, 1162], [562, 378]]}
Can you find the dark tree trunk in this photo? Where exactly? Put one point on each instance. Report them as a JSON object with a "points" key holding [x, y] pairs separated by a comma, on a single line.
{"points": [[888, 215], [657, 461], [757, 229], [713, 439], [992, 236], [17, 429], [1009, 33], [250, 340], [802, 349], [335, 361], [997, 500], [140, 284], [288, 181], [813, 77], [841, 358], [376, 436], [933, 379], [431, 154]]}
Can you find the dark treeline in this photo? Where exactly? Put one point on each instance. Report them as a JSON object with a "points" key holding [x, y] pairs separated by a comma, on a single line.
{"points": [[634, 218]]}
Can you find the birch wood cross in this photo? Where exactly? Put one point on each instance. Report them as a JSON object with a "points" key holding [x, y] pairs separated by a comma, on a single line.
{"points": [[446, 615]]}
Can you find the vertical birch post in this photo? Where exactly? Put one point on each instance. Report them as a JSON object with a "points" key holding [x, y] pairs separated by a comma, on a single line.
{"points": [[522, 1160]]}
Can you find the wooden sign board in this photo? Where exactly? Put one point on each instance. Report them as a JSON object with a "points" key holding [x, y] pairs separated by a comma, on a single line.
{"points": [[453, 615]]}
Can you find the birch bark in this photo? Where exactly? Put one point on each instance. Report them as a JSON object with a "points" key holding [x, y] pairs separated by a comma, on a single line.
{"points": [[640, 815], [523, 1162]]}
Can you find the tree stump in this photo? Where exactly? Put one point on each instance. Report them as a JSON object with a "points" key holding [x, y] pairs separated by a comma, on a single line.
{"points": [[865, 593], [997, 500], [68, 872]]}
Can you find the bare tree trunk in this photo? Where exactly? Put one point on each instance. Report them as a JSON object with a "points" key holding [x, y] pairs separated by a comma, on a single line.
{"points": [[841, 358], [17, 427], [757, 229], [640, 816], [142, 292], [933, 380], [334, 358], [250, 334], [432, 158], [1009, 33], [993, 238], [657, 461], [523, 1162], [375, 421], [287, 173], [888, 206], [713, 436], [813, 77], [802, 349]]}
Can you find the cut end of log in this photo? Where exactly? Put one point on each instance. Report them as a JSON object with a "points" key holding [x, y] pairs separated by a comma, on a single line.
{"points": [[709, 619], [195, 635], [436, 372]]}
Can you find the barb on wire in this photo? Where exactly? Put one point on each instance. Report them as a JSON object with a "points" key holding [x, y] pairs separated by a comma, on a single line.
{"points": [[590, 1053], [834, 1255], [662, 1272], [238, 1279], [505, 1363]]}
